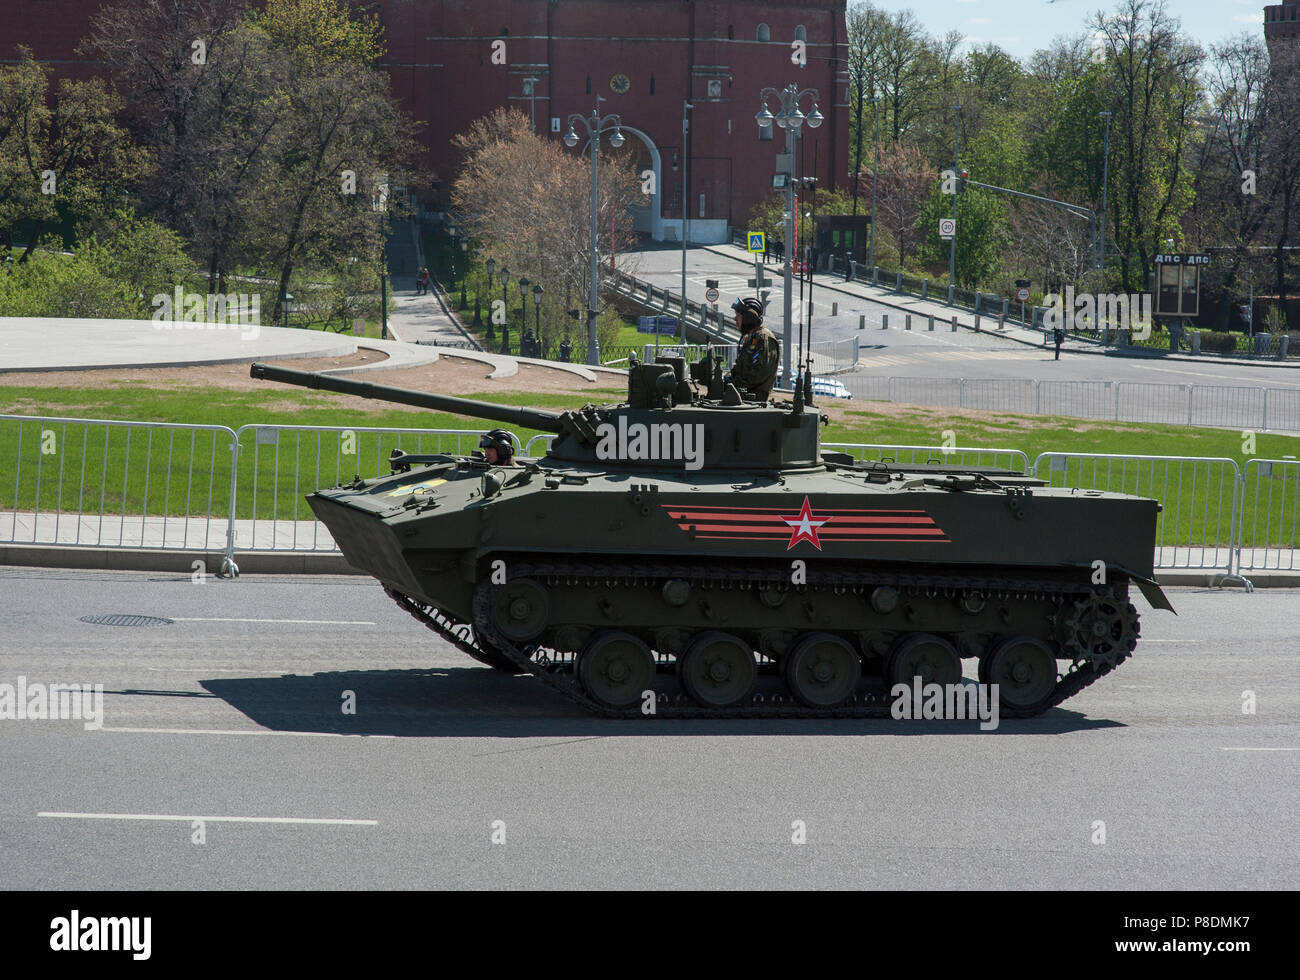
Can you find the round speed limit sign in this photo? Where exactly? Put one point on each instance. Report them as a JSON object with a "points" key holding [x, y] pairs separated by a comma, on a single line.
{"points": [[1022, 294], [711, 295]]}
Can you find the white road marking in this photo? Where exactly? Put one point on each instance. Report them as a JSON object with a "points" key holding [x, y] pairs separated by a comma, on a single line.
{"points": [[190, 819], [1259, 748], [235, 731], [298, 622]]}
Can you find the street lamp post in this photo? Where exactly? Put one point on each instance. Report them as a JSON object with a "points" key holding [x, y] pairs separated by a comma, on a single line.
{"points": [[380, 206], [491, 271], [875, 172], [594, 127], [1105, 182], [537, 306], [464, 272], [523, 313], [505, 306], [791, 120], [451, 257], [686, 211], [952, 243]]}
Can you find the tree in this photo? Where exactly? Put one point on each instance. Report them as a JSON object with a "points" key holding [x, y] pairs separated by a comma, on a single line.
{"points": [[527, 203], [69, 159], [1154, 92], [906, 181], [341, 124]]}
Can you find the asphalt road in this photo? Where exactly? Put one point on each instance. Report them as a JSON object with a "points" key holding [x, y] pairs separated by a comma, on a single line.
{"points": [[919, 353], [235, 710]]}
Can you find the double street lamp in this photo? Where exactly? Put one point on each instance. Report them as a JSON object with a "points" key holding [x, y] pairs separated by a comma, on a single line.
{"points": [[791, 119], [594, 126], [523, 314]]}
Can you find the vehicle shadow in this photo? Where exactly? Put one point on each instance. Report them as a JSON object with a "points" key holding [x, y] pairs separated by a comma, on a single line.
{"points": [[459, 702]]}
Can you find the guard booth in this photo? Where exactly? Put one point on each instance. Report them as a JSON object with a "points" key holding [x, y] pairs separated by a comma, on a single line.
{"points": [[1177, 288], [1178, 284], [841, 233]]}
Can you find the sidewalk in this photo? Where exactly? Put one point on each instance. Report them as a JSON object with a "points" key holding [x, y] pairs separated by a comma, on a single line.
{"points": [[1013, 331]]}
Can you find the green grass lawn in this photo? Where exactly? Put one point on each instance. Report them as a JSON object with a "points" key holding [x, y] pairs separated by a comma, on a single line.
{"points": [[93, 467]]}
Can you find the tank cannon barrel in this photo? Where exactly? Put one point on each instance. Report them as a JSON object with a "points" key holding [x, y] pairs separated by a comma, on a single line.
{"points": [[529, 418]]}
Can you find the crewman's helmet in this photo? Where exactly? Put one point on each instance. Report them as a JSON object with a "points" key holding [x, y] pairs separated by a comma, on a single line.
{"points": [[498, 439], [750, 310]]}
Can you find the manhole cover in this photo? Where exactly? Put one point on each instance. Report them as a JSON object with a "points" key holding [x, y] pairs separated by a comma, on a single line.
{"points": [[122, 619]]}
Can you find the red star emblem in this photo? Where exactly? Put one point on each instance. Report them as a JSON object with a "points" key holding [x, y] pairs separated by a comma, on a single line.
{"points": [[805, 528]]}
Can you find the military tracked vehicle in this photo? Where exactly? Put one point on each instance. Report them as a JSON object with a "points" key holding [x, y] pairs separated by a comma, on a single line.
{"points": [[690, 552]]}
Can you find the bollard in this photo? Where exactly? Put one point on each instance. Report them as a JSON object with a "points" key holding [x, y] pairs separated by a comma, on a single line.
{"points": [[950, 295], [875, 275], [862, 321], [931, 327], [954, 324], [898, 284], [1002, 321], [884, 321], [925, 288], [977, 323], [835, 309], [908, 323]]}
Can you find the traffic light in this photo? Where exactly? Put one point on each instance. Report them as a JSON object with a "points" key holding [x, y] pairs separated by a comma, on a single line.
{"points": [[961, 181]]}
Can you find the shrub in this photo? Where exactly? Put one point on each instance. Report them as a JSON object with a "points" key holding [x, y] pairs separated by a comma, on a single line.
{"points": [[1218, 343]]}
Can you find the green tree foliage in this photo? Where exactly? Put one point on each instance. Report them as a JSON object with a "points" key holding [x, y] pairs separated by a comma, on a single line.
{"points": [[66, 157]]}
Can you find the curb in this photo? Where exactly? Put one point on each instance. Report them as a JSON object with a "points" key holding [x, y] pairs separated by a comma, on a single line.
{"points": [[178, 560], [332, 563]]}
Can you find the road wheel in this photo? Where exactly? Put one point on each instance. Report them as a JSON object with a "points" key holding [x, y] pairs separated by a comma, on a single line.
{"points": [[616, 668], [718, 670], [924, 655], [822, 670], [1025, 671]]}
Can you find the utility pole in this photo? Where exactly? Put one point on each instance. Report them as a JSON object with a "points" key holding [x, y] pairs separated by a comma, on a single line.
{"points": [[952, 244], [875, 170], [1105, 184]]}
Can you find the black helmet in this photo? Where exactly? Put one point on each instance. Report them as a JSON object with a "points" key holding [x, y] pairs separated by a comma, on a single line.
{"points": [[750, 310], [498, 439]]}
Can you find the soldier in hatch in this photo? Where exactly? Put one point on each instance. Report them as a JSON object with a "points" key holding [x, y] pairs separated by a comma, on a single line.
{"points": [[757, 354], [497, 448]]}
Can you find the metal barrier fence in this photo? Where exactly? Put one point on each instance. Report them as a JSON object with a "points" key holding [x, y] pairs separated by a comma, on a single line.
{"points": [[1199, 497], [1224, 406], [280, 464], [114, 484], [1266, 536], [106, 483]]}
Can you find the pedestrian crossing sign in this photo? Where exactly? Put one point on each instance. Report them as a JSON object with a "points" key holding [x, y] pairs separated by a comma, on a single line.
{"points": [[757, 242]]}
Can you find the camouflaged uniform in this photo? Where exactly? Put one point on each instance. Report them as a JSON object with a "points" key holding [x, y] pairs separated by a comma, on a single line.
{"points": [[757, 357]]}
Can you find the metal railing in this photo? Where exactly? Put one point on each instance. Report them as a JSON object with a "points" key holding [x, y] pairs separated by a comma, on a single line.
{"points": [[1224, 406], [155, 485], [1270, 506], [109, 483], [1199, 498], [278, 465]]}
